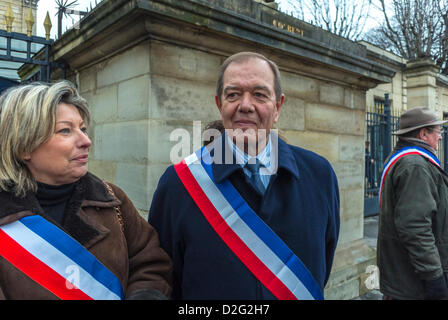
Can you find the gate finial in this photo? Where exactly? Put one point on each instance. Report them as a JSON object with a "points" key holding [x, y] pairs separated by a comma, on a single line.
{"points": [[9, 18], [47, 25], [29, 22]]}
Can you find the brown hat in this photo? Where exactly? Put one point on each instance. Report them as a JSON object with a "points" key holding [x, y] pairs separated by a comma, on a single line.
{"points": [[416, 118]]}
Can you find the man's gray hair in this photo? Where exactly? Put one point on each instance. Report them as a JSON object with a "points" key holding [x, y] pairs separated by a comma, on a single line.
{"points": [[243, 57]]}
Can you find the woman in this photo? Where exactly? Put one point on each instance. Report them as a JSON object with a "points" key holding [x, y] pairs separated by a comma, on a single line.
{"points": [[65, 233]]}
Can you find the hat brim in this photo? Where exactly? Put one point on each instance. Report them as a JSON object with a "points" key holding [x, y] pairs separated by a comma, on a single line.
{"points": [[406, 130]]}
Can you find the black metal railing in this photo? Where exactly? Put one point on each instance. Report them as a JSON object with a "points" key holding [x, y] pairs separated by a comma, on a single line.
{"points": [[442, 152], [20, 49], [381, 121]]}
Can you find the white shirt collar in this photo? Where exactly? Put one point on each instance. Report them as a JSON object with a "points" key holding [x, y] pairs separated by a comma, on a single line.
{"points": [[242, 158]]}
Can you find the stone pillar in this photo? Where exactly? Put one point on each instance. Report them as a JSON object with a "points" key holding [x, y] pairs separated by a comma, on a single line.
{"points": [[270, 3], [421, 88]]}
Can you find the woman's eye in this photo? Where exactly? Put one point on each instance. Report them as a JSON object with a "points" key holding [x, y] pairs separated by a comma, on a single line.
{"points": [[84, 130], [64, 130]]}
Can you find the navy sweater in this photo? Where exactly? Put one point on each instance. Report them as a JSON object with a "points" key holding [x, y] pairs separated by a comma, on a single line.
{"points": [[301, 205]]}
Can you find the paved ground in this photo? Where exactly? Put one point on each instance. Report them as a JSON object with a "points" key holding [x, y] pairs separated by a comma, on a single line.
{"points": [[371, 295], [370, 237], [371, 230]]}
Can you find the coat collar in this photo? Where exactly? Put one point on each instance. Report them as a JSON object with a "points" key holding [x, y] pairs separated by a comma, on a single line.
{"points": [[406, 142], [221, 171], [402, 143], [89, 191]]}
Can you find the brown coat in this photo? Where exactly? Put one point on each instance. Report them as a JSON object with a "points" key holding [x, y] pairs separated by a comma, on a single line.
{"points": [[134, 255]]}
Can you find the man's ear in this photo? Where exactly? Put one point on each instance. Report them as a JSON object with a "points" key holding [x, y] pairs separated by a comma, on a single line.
{"points": [[278, 106], [423, 134], [218, 103]]}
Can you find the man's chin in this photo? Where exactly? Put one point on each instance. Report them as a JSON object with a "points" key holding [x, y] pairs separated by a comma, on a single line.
{"points": [[245, 136], [249, 140]]}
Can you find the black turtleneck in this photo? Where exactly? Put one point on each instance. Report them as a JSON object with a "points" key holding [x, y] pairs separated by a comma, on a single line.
{"points": [[53, 199]]}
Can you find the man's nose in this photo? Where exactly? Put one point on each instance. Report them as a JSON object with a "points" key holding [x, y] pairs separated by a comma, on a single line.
{"points": [[246, 102]]}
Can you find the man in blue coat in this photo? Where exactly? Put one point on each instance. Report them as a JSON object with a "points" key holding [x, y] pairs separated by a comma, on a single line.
{"points": [[248, 217]]}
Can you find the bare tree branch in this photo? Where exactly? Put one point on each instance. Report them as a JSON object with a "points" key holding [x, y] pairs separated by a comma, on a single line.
{"points": [[346, 18], [414, 29]]}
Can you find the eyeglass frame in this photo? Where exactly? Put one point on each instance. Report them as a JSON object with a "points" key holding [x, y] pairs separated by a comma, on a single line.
{"points": [[439, 132]]}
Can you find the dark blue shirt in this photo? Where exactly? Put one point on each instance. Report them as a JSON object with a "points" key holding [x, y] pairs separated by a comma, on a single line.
{"points": [[301, 205]]}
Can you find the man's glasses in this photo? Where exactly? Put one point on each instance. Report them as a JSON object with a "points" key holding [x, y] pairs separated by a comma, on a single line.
{"points": [[439, 132]]}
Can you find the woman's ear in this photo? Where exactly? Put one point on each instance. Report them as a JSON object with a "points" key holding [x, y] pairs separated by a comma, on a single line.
{"points": [[26, 157]]}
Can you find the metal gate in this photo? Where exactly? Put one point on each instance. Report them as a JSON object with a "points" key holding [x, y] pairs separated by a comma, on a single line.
{"points": [[17, 49], [379, 143]]}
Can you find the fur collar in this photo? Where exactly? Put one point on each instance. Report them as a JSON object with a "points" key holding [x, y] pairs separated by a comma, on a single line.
{"points": [[89, 191]]}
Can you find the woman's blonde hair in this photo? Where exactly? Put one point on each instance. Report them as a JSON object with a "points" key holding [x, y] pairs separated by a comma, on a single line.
{"points": [[28, 119]]}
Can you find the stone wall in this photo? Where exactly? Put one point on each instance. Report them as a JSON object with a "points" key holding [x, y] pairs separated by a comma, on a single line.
{"points": [[328, 118], [135, 110], [442, 95]]}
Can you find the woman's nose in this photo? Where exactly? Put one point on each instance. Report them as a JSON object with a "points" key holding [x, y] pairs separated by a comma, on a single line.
{"points": [[84, 140]]}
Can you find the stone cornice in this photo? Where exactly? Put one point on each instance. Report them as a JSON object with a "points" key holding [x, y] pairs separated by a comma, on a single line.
{"points": [[116, 24]]}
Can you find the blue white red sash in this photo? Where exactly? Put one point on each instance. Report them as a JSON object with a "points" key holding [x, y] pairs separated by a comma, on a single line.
{"points": [[404, 152], [56, 261], [249, 238]]}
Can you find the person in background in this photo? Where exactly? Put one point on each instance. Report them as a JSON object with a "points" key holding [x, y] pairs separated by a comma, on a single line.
{"points": [[211, 127], [65, 233], [412, 249], [369, 166], [248, 216]]}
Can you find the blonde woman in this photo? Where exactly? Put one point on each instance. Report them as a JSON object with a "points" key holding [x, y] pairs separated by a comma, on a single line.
{"points": [[65, 233]]}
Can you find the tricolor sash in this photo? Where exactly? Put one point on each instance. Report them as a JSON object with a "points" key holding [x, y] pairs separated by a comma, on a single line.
{"points": [[247, 236], [401, 153], [56, 261]]}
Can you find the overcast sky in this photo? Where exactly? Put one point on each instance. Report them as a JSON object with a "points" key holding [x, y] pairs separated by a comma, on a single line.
{"points": [[50, 6]]}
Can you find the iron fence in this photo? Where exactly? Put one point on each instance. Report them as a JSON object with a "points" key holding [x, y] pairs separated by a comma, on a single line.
{"points": [[381, 121], [376, 144]]}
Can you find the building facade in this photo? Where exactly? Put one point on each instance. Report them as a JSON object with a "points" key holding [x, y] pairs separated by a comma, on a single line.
{"points": [[415, 83]]}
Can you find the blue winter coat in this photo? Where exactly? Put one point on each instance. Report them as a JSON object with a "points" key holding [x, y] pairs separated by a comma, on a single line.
{"points": [[301, 204]]}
